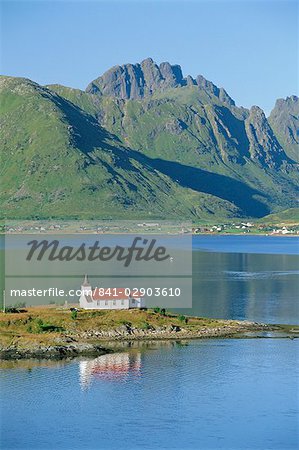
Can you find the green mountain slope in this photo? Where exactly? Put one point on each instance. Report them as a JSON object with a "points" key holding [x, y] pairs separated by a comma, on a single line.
{"points": [[149, 144], [287, 216], [58, 162]]}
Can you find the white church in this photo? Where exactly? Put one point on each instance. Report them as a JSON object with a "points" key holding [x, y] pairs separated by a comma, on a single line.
{"points": [[109, 298]]}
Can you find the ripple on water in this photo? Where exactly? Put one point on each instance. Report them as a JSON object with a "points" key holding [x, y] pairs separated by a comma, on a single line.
{"points": [[218, 393]]}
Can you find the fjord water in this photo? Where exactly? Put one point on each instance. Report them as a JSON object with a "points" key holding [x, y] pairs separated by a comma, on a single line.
{"points": [[204, 394], [246, 278], [209, 394], [234, 277]]}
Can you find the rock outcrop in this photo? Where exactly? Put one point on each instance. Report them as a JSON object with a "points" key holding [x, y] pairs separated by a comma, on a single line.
{"points": [[147, 142], [284, 120], [52, 351], [263, 145], [134, 81]]}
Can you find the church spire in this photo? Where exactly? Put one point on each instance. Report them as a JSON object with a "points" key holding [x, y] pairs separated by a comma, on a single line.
{"points": [[86, 281]]}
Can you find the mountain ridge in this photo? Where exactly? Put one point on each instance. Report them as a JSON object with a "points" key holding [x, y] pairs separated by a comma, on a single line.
{"points": [[180, 151], [284, 120], [133, 81]]}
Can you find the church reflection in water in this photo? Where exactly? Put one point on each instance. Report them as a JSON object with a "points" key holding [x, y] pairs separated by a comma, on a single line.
{"points": [[110, 367]]}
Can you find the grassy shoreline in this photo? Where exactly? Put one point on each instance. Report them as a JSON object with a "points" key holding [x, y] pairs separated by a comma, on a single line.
{"points": [[50, 332]]}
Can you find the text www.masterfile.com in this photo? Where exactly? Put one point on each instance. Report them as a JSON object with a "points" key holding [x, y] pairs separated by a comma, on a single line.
{"points": [[102, 292]]}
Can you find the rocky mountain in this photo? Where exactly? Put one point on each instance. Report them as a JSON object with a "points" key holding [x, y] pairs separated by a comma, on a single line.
{"points": [[284, 120], [263, 145], [141, 142], [135, 81]]}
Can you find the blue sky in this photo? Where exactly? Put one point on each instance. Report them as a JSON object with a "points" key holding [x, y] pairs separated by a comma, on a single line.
{"points": [[248, 47]]}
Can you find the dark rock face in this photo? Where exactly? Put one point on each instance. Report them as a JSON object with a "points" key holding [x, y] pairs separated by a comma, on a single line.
{"points": [[186, 153], [263, 145], [53, 352], [284, 120], [134, 81], [172, 74]]}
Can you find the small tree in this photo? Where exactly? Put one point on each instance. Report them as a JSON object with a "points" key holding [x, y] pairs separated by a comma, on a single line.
{"points": [[74, 314]]}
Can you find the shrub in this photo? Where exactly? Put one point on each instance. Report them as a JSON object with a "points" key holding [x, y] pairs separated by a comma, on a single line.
{"points": [[145, 326], [11, 309], [182, 319], [50, 327], [38, 326], [74, 314], [95, 314], [163, 312], [157, 309]]}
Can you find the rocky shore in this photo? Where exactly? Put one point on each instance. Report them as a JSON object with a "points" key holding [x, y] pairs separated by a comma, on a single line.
{"points": [[128, 332], [52, 351], [56, 333], [87, 343]]}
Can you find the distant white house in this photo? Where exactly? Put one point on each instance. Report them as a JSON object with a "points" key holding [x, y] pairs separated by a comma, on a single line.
{"points": [[109, 298]]}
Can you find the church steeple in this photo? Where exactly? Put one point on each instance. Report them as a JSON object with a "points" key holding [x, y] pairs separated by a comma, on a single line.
{"points": [[86, 292], [86, 282]]}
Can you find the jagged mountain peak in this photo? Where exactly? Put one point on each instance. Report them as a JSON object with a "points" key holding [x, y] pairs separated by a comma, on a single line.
{"points": [[289, 101], [135, 81], [284, 120], [181, 153], [257, 111], [264, 146]]}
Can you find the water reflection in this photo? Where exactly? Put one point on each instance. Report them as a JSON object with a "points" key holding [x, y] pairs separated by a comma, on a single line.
{"points": [[149, 344], [110, 367], [221, 393], [29, 364], [259, 287]]}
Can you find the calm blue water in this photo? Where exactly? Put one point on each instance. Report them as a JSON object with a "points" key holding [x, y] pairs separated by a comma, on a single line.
{"points": [[213, 394], [236, 277], [209, 394], [246, 277], [283, 245]]}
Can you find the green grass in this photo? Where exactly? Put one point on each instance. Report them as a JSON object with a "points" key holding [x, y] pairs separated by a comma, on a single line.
{"points": [[45, 324], [290, 215], [73, 155]]}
